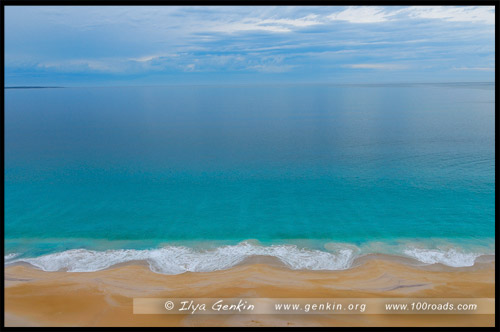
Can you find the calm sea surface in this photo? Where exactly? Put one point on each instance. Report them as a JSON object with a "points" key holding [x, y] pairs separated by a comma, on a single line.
{"points": [[367, 166]]}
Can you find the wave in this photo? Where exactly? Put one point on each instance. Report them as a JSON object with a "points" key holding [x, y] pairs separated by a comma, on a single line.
{"points": [[451, 257], [11, 256], [180, 259]]}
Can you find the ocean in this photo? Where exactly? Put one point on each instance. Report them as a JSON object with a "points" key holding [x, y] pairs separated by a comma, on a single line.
{"points": [[199, 178]]}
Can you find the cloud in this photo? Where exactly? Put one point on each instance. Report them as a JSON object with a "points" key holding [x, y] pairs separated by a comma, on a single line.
{"points": [[386, 66], [82, 65], [271, 68], [269, 25], [362, 15], [305, 21], [475, 68], [478, 14], [301, 42], [190, 67], [181, 62], [148, 58], [371, 14]]}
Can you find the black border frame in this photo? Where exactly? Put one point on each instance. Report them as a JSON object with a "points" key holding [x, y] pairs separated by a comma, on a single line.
{"points": [[5, 3]]}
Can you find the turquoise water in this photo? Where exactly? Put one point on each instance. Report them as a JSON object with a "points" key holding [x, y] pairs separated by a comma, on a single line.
{"points": [[314, 168]]}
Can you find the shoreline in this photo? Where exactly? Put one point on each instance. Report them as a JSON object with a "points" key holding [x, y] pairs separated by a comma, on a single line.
{"points": [[479, 263], [104, 298], [315, 255]]}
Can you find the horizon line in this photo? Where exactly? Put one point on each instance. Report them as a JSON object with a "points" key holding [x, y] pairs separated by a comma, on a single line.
{"points": [[241, 84]]}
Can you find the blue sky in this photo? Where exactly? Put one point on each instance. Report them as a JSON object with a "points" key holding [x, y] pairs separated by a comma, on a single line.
{"points": [[100, 46]]}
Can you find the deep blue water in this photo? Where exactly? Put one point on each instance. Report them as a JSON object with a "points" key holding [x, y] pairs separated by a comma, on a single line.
{"points": [[138, 167]]}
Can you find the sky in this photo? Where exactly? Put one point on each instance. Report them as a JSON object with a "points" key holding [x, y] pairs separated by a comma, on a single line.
{"points": [[146, 45]]}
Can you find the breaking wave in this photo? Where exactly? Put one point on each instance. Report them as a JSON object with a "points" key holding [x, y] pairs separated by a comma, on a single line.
{"points": [[180, 259]]}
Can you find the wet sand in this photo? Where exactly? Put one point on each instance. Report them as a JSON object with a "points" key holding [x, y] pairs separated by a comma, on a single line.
{"points": [[104, 298]]}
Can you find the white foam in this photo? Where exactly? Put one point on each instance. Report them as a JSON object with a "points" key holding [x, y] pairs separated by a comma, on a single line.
{"points": [[450, 257], [11, 256], [178, 259]]}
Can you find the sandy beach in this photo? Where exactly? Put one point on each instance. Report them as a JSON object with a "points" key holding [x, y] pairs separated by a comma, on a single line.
{"points": [[105, 298]]}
